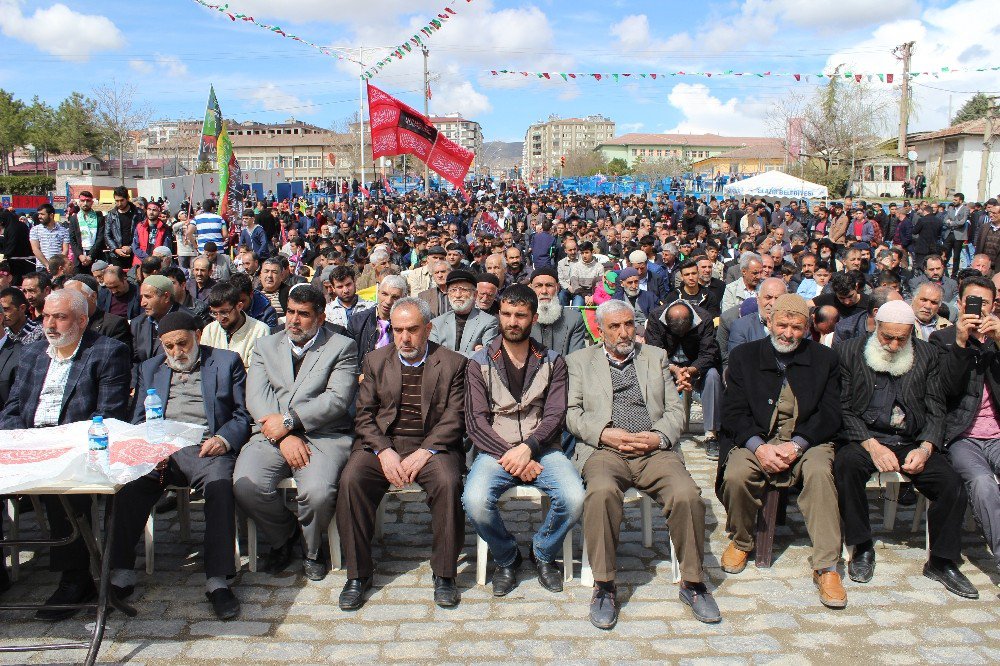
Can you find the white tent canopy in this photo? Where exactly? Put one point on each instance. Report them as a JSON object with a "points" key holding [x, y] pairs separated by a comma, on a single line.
{"points": [[778, 185]]}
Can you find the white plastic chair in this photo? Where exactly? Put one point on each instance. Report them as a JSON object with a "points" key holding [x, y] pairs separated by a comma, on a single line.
{"points": [[184, 518], [524, 492], [646, 508], [332, 535]]}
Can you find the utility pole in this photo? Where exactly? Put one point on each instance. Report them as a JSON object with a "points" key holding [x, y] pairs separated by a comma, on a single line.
{"points": [[427, 180], [984, 165], [904, 52]]}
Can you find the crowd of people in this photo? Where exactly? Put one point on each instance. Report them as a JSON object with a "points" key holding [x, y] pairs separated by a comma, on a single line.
{"points": [[519, 338]]}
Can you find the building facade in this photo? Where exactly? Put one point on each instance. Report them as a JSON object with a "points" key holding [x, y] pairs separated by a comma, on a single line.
{"points": [[545, 143], [684, 147], [466, 133], [952, 160], [748, 160]]}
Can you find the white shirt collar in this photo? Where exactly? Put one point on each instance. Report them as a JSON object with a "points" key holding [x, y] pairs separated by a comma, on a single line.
{"points": [[301, 350]]}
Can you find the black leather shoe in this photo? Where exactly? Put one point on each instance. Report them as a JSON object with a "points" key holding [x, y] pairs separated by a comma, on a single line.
{"points": [[861, 568], [505, 578], [224, 603], [945, 572], [278, 558], [69, 592], [314, 569], [352, 597], [123, 593], [712, 448], [907, 495], [446, 592], [167, 503], [549, 574], [604, 608]]}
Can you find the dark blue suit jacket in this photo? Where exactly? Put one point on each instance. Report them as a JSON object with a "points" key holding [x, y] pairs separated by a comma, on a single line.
{"points": [[98, 383], [648, 300], [363, 328], [134, 305], [223, 390]]}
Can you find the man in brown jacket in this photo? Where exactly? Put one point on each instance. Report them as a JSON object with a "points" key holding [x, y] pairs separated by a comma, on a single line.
{"points": [[408, 428], [838, 224]]}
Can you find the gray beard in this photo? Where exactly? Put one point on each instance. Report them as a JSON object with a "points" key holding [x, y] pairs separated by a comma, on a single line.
{"points": [[186, 366], [460, 306], [630, 293], [783, 348], [896, 364], [549, 312]]}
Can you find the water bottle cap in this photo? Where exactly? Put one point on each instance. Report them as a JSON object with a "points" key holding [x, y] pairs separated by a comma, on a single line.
{"points": [[98, 419], [150, 391]]}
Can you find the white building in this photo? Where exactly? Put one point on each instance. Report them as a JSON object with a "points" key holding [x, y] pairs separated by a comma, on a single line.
{"points": [[952, 161], [545, 143]]}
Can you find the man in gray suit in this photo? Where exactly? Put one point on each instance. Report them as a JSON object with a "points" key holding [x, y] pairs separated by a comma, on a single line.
{"points": [[300, 389], [753, 326], [560, 329], [624, 409], [464, 329]]}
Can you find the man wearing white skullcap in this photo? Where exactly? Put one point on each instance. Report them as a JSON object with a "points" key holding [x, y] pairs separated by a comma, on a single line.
{"points": [[894, 415]]}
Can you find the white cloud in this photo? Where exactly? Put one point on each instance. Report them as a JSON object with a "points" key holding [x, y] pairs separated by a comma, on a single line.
{"points": [[704, 113], [844, 13], [461, 98], [141, 66], [270, 97], [60, 31], [628, 128], [169, 66]]}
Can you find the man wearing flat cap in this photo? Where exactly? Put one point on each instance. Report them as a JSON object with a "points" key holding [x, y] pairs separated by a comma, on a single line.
{"points": [[465, 328], [894, 420], [780, 411], [157, 299], [487, 293], [205, 386]]}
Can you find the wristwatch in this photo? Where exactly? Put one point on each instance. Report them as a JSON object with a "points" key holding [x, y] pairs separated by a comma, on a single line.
{"points": [[288, 421], [664, 442]]}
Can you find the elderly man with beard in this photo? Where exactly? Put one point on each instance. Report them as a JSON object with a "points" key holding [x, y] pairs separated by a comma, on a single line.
{"points": [[300, 391], [409, 427], [559, 328], [781, 409], [487, 290], [894, 421], [642, 302], [624, 410], [687, 333], [514, 414], [753, 326], [464, 329], [205, 386], [71, 376]]}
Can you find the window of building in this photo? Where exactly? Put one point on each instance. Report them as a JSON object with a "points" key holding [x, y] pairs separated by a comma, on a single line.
{"points": [[951, 146]]}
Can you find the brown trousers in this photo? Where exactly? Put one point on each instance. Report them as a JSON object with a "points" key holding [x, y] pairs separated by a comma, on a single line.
{"points": [[662, 476], [743, 485], [362, 487]]}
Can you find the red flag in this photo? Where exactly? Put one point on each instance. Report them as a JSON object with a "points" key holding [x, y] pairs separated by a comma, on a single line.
{"points": [[399, 129], [888, 78]]}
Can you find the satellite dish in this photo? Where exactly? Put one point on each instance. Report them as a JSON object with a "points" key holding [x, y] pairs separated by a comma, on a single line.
{"points": [[912, 155]]}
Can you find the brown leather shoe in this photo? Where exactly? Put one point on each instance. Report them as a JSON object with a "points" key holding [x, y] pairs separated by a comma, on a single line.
{"points": [[831, 590], [734, 560]]}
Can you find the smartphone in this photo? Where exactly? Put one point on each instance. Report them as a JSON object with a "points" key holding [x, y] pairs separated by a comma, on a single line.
{"points": [[974, 305]]}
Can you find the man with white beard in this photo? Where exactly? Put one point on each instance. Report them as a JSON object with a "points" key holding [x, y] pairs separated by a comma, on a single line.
{"points": [[465, 328], [780, 413], [559, 328], [202, 385], [894, 419]]}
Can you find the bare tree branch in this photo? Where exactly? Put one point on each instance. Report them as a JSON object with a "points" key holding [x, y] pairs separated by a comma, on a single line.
{"points": [[121, 117]]}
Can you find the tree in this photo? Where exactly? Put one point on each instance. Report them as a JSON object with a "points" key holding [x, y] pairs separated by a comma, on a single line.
{"points": [[121, 117], [659, 168], [77, 124], [42, 129], [618, 167], [975, 108], [13, 128], [583, 162]]}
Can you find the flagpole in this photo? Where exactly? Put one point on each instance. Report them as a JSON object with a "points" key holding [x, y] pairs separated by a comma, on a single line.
{"points": [[361, 109]]}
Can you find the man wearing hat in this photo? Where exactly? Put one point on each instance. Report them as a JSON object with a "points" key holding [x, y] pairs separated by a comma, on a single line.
{"points": [[487, 290], [894, 421], [780, 411], [464, 329], [642, 302], [156, 296], [420, 278], [205, 386], [559, 328]]}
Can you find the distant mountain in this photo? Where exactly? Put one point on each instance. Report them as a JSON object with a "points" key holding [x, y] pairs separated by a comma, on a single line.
{"points": [[501, 153]]}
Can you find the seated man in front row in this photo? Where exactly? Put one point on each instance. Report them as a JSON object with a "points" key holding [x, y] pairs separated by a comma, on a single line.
{"points": [[408, 428], [780, 410], [300, 388], [201, 385], [894, 421], [626, 415], [70, 377]]}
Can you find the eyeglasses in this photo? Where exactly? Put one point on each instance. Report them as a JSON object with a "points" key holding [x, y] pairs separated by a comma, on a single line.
{"points": [[222, 313]]}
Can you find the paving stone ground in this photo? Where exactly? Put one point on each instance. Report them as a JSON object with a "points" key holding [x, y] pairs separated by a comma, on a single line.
{"points": [[771, 616]]}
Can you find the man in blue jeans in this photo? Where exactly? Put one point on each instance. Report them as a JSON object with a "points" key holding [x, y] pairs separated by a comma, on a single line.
{"points": [[515, 409]]}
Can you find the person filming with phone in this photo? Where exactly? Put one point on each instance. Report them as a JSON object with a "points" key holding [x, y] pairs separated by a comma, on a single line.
{"points": [[970, 380]]}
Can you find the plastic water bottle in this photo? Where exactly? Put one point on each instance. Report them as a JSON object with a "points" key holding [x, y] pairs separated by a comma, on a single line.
{"points": [[154, 417], [97, 439]]}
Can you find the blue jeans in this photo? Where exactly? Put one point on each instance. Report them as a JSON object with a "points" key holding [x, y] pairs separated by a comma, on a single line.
{"points": [[578, 301], [487, 481]]}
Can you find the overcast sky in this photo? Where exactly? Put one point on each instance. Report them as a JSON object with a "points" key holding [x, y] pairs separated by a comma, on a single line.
{"points": [[173, 49]]}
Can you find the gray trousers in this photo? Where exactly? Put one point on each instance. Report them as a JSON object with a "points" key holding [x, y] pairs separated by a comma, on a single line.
{"points": [[977, 461], [259, 469], [710, 387]]}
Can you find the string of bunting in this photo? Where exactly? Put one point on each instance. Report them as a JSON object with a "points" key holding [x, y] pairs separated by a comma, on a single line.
{"points": [[415, 41], [854, 76]]}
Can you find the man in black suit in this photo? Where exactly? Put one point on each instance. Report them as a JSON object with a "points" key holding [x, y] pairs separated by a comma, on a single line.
{"points": [[71, 377], [157, 298], [100, 322], [200, 385], [894, 421], [370, 328], [119, 296], [16, 247], [10, 356]]}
